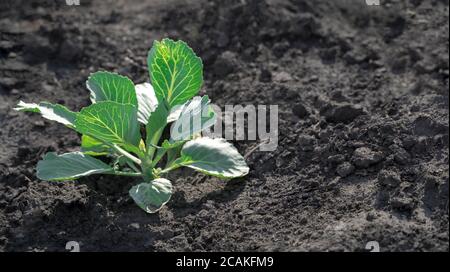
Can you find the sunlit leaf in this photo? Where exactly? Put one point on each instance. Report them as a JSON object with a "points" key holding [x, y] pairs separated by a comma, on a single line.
{"points": [[69, 166], [93, 147], [147, 104], [151, 196], [156, 123], [147, 101], [214, 157], [175, 112], [53, 112], [176, 73], [110, 122], [106, 86], [196, 116]]}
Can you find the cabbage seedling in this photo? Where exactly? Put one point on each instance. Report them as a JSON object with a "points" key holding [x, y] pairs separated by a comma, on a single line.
{"points": [[113, 127]]}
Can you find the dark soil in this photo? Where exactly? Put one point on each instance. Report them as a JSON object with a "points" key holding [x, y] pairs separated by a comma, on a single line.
{"points": [[364, 124]]}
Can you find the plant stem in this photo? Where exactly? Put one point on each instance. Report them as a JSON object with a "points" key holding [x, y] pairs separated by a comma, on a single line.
{"points": [[170, 168], [121, 173], [119, 150], [132, 166], [159, 154], [153, 141], [126, 154], [147, 169]]}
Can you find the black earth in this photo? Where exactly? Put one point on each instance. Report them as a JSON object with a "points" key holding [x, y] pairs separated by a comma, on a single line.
{"points": [[363, 124]]}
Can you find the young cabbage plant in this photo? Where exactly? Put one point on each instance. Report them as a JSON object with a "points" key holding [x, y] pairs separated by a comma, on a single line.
{"points": [[113, 127]]}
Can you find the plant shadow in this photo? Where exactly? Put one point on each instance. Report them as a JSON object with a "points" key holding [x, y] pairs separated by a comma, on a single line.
{"points": [[181, 207]]}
